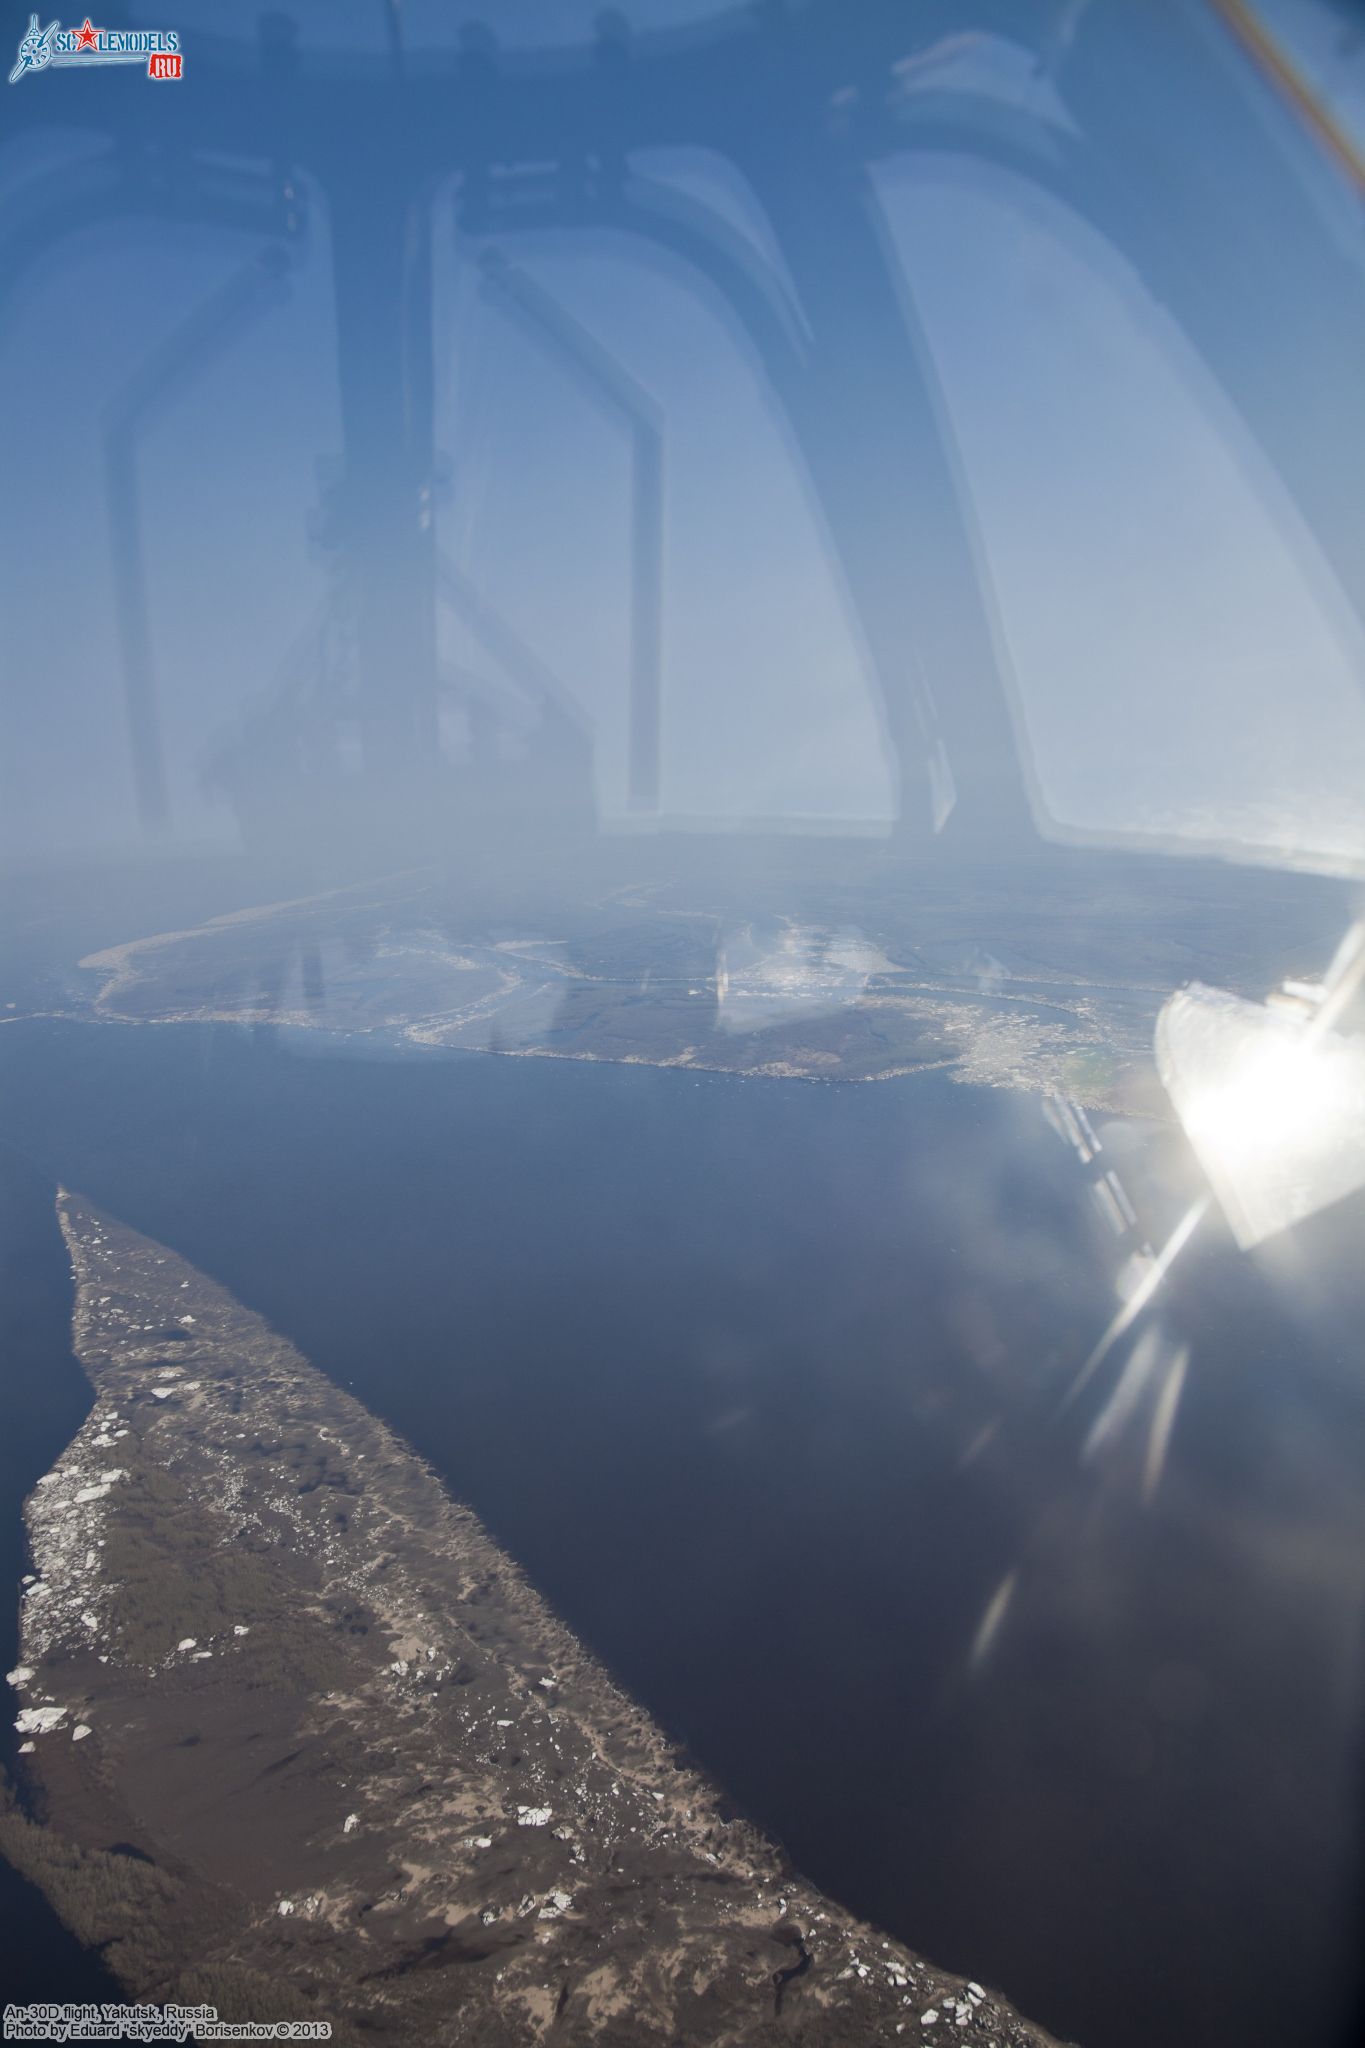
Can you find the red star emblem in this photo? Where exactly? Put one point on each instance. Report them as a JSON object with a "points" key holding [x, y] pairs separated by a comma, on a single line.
{"points": [[86, 40]]}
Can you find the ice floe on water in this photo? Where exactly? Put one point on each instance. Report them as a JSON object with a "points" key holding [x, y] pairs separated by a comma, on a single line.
{"points": [[39, 1720]]}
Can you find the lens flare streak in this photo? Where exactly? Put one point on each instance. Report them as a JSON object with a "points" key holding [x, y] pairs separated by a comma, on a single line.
{"points": [[1138, 1300]]}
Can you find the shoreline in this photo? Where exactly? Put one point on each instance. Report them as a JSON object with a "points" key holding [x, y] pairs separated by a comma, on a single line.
{"points": [[305, 1634]]}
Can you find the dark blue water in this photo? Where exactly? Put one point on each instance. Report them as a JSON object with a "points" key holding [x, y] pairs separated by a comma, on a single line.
{"points": [[714, 1360]]}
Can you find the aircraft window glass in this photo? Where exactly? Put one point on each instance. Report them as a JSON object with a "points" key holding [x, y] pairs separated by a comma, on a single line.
{"points": [[210, 368], [1185, 667], [537, 522]]}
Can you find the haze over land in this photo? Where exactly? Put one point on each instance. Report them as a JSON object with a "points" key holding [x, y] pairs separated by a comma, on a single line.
{"points": [[1043, 979]]}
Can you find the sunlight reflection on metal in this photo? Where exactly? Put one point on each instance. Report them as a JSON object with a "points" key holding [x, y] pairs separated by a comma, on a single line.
{"points": [[1271, 1097], [992, 1620]]}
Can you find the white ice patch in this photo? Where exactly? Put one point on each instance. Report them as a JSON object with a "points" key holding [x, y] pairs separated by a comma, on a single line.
{"points": [[84, 1493], [533, 1816], [20, 1675], [79, 1733], [40, 1720], [188, 1643]]}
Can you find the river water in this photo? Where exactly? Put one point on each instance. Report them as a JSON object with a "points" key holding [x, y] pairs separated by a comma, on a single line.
{"points": [[761, 1383]]}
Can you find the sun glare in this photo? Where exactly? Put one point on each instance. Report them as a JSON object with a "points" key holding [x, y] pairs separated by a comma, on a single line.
{"points": [[1277, 1093]]}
